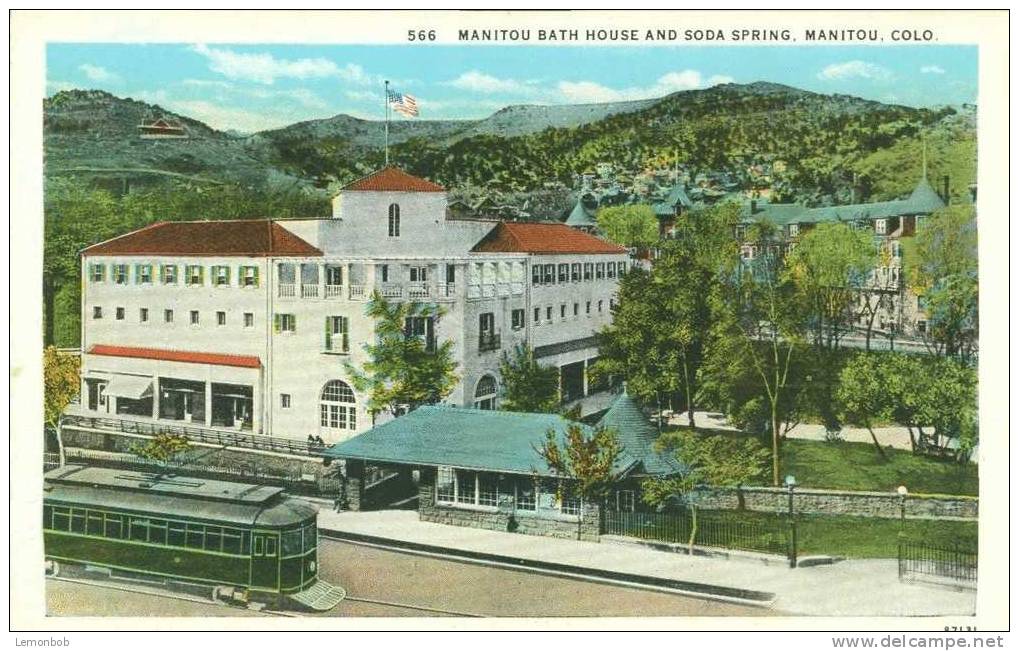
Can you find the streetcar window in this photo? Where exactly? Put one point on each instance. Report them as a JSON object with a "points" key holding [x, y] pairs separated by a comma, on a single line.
{"points": [[270, 546], [213, 539], [61, 518], [245, 542], [259, 541], [157, 532], [47, 517], [195, 536], [175, 534], [114, 526], [231, 541], [290, 543], [78, 520], [139, 529], [95, 523], [310, 534]]}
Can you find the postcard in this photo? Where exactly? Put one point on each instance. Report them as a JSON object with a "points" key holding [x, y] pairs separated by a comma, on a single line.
{"points": [[451, 320]]}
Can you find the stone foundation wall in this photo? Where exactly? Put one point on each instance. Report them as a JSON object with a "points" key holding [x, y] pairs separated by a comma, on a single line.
{"points": [[519, 522], [832, 502], [250, 462]]}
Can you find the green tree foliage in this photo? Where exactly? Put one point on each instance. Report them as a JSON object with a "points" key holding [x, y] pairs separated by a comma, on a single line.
{"points": [[527, 385], [403, 370], [163, 448], [632, 226], [942, 269], [830, 268], [62, 383], [586, 461], [863, 393]]}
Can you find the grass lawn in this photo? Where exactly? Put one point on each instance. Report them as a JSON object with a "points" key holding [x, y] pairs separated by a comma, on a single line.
{"points": [[857, 466]]}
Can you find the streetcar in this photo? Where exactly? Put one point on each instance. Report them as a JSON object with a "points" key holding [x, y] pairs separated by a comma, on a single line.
{"points": [[259, 544]]}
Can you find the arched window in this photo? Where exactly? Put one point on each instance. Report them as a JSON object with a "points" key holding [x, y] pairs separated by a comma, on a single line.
{"points": [[337, 408], [394, 220], [485, 393]]}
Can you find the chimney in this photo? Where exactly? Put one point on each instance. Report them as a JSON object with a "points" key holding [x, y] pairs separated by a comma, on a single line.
{"points": [[944, 183]]}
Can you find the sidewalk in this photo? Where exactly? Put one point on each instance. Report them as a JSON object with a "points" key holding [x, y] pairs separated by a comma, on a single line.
{"points": [[850, 588]]}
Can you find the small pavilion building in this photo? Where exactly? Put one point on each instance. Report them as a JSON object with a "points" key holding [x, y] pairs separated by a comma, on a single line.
{"points": [[479, 468]]}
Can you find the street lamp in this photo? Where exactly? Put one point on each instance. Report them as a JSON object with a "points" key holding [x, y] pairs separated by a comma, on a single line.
{"points": [[903, 492], [790, 483]]}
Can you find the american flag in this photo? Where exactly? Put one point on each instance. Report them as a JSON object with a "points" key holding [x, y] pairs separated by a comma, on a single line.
{"points": [[406, 104]]}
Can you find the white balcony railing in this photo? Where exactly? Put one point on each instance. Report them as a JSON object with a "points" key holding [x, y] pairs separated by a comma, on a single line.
{"points": [[288, 290], [389, 290], [473, 291], [334, 291], [418, 290], [488, 290], [446, 290], [309, 291], [357, 292]]}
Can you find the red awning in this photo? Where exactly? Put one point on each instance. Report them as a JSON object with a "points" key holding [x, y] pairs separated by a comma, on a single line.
{"points": [[187, 356]]}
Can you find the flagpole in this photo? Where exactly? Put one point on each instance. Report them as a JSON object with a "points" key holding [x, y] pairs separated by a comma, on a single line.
{"points": [[387, 122]]}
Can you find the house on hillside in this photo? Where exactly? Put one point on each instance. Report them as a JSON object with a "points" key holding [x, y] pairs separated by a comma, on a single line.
{"points": [[161, 129]]}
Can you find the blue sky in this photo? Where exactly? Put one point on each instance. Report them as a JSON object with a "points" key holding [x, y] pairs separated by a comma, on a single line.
{"points": [[253, 87]]}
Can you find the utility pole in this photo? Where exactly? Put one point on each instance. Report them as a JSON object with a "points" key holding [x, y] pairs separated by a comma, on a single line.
{"points": [[387, 122]]}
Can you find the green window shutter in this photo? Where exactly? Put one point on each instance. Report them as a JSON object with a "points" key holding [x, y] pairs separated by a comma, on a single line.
{"points": [[255, 269], [345, 329], [276, 322], [329, 334]]}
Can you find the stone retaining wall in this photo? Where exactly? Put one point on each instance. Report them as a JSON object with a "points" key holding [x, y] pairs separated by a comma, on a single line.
{"points": [[834, 502], [588, 529]]}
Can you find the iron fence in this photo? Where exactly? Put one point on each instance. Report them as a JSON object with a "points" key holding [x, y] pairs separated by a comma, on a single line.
{"points": [[199, 435], [923, 559], [728, 531]]}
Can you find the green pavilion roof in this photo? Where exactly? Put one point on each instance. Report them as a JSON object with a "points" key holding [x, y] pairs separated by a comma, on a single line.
{"points": [[580, 216], [637, 436], [475, 439]]}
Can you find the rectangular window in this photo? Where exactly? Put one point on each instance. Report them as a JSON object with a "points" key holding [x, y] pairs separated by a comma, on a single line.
{"points": [[548, 276], [445, 489], [588, 271], [536, 274], [78, 520], [285, 323], [94, 523], [384, 271], [488, 490], [575, 272], [562, 311], [168, 274], [113, 525], [139, 530], [249, 320], [249, 276], [120, 274], [337, 334], [213, 539], [418, 274], [143, 274], [610, 269], [194, 274], [527, 498], [537, 315], [465, 486], [285, 401], [622, 268], [794, 230], [599, 271], [143, 314], [880, 226], [334, 275], [422, 327], [97, 272], [221, 318], [548, 313], [564, 273], [518, 319], [220, 275], [61, 518], [600, 303], [176, 534], [120, 314], [168, 316], [576, 309], [194, 317], [231, 541], [97, 312], [195, 536]]}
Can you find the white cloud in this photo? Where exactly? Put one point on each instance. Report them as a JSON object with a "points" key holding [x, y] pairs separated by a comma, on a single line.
{"points": [[932, 70], [475, 80], [264, 68], [98, 73], [590, 91], [223, 117], [54, 86], [854, 69]]}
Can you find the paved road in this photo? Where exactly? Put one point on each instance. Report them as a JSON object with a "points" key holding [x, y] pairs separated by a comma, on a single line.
{"points": [[417, 586]]}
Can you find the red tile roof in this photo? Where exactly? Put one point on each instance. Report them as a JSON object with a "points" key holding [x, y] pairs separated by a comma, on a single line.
{"points": [[523, 237], [392, 179], [191, 357], [249, 238]]}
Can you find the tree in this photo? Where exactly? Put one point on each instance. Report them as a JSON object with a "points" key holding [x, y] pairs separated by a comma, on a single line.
{"points": [[586, 461], [863, 393], [830, 267], [759, 324], [61, 385], [710, 460], [633, 226], [163, 448], [942, 270], [878, 295], [528, 385], [406, 367]]}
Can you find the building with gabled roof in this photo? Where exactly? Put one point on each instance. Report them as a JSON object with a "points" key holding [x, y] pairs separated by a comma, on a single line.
{"points": [[253, 325]]}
